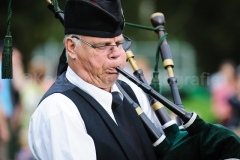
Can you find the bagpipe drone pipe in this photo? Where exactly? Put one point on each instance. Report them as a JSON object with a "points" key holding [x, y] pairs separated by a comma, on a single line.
{"points": [[158, 22], [198, 140]]}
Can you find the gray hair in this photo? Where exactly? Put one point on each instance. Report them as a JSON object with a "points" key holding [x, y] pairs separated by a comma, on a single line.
{"points": [[76, 41]]}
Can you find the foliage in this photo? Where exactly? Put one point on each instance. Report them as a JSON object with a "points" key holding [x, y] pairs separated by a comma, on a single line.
{"points": [[212, 27]]}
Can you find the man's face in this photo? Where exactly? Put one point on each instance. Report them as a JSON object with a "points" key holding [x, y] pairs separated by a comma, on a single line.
{"points": [[97, 66]]}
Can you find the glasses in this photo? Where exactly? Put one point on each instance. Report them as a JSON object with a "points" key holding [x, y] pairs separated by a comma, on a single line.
{"points": [[125, 44]]}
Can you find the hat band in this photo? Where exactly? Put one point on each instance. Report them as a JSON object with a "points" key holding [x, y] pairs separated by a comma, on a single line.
{"points": [[93, 33]]}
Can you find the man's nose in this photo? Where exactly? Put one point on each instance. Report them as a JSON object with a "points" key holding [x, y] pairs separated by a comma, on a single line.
{"points": [[116, 52]]}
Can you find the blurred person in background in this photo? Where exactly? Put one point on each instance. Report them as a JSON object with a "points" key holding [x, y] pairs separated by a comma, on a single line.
{"points": [[222, 87], [16, 85], [234, 120], [4, 135], [31, 93], [11, 104]]}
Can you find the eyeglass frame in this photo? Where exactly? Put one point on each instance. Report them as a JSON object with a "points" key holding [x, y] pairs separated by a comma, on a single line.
{"points": [[94, 47]]}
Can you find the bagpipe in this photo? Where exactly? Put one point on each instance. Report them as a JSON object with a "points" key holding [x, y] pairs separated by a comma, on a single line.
{"points": [[196, 139]]}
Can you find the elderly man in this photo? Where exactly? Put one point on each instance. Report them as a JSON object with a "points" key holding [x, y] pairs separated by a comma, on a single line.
{"points": [[75, 118]]}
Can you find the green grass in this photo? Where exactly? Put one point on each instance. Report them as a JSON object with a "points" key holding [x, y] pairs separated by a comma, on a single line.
{"points": [[200, 105], [196, 99], [199, 101]]}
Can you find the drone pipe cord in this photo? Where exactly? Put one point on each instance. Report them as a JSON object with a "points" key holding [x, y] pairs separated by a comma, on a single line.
{"points": [[158, 108], [158, 20]]}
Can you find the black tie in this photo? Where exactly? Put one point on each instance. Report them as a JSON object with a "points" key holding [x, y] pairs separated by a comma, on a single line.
{"points": [[125, 124]]}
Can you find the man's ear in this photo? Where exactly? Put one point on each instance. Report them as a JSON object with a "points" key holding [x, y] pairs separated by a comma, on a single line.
{"points": [[70, 48]]}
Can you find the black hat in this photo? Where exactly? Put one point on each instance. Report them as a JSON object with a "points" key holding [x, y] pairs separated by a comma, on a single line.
{"points": [[96, 18]]}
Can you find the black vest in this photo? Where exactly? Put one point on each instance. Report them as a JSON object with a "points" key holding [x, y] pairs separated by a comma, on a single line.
{"points": [[109, 143]]}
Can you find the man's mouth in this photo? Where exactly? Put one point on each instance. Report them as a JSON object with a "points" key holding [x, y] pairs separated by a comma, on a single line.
{"points": [[112, 70]]}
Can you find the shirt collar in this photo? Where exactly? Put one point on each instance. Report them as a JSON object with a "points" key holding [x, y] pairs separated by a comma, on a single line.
{"points": [[103, 97]]}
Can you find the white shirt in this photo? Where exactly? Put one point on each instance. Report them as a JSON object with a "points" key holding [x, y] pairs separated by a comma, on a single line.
{"points": [[57, 130]]}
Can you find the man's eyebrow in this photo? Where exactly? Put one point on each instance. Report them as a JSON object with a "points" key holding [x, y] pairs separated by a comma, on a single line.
{"points": [[120, 41], [107, 42], [101, 43]]}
